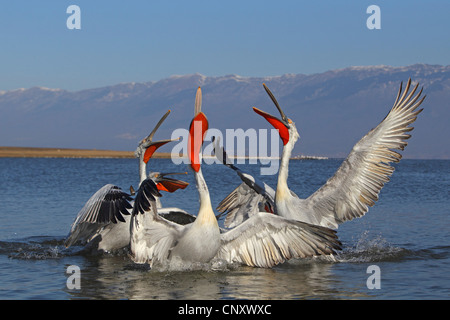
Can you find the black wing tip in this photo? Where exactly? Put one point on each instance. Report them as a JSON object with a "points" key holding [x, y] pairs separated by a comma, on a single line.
{"points": [[115, 206], [147, 192]]}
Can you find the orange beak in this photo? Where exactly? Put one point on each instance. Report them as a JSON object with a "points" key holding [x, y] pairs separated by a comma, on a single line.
{"points": [[283, 131], [148, 144], [197, 129], [171, 185], [153, 147]]}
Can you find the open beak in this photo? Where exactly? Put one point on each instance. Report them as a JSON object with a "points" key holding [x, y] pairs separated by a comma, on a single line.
{"points": [[282, 125], [153, 147], [164, 183], [198, 127], [197, 130], [149, 145]]}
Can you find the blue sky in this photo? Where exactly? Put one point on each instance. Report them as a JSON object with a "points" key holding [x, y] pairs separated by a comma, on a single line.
{"points": [[125, 41]]}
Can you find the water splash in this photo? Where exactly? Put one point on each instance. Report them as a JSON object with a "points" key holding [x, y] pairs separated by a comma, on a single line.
{"points": [[178, 265], [366, 248], [372, 249], [33, 248]]}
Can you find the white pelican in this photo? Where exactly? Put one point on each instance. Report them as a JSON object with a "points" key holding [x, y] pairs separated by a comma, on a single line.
{"points": [[104, 221], [144, 152], [356, 184], [263, 240]]}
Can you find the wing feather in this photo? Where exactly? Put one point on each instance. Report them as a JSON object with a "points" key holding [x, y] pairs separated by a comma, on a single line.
{"points": [[358, 181], [249, 198], [107, 205], [152, 236], [265, 240], [239, 205]]}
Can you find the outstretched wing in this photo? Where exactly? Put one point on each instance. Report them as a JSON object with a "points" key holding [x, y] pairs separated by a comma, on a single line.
{"points": [[152, 236], [265, 240], [108, 205], [358, 181]]}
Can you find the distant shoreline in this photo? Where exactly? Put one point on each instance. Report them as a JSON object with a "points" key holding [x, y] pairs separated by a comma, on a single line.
{"points": [[33, 152], [28, 152]]}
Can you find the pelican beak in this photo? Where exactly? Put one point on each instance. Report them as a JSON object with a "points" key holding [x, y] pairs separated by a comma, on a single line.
{"points": [[197, 130], [282, 125], [153, 147], [147, 143], [168, 184], [198, 101]]}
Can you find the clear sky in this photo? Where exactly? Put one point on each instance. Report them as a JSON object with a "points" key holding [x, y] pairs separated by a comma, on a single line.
{"points": [[126, 41]]}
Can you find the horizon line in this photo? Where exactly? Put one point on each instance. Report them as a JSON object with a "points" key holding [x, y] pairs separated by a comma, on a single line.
{"points": [[380, 66], [66, 152]]}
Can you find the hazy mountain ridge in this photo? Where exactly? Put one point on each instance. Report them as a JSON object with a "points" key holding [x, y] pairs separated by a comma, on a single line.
{"points": [[332, 110]]}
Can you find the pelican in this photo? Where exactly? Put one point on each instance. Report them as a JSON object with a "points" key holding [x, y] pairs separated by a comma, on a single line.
{"points": [[104, 221], [263, 240], [357, 182]]}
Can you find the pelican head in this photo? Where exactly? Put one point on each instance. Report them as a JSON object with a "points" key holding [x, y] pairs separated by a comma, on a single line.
{"points": [[285, 126], [147, 146]]}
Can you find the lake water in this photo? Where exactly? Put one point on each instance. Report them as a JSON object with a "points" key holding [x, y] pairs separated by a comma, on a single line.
{"points": [[405, 235]]}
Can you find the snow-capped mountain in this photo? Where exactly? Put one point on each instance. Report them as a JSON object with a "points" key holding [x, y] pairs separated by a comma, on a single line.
{"points": [[332, 110]]}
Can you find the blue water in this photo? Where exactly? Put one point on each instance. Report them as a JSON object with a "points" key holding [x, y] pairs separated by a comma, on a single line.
{"points": [[406, 235]]}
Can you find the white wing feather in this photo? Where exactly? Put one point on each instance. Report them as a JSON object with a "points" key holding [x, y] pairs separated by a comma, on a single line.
{"points": [[152, 237], [265, 240], [108, 205], [358, 181]]}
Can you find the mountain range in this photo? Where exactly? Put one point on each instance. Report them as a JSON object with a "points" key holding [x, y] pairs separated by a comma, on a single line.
{"points": [[332, 110]]}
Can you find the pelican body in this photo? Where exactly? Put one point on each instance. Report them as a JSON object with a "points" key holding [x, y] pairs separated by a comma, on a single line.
{"points": [[356, 184], [104, 221], [263, 240]]}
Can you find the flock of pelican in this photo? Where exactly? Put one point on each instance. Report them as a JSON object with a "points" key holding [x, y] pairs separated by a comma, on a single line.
{"points": [[264, 226]]}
